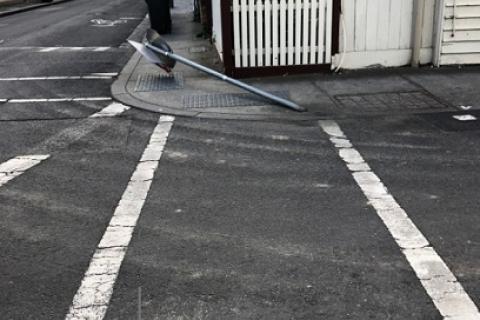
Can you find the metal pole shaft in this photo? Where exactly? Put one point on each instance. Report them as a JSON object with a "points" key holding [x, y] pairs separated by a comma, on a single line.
{"points": [[284, 102]]}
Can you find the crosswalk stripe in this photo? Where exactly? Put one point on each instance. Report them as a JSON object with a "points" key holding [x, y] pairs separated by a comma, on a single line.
{"points": [[16, 166], [440, 283], [93, 297]]}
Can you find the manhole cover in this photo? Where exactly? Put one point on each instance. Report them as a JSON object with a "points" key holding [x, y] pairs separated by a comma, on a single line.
{"points": [[413, 101], [228, 100], [159, 82]]}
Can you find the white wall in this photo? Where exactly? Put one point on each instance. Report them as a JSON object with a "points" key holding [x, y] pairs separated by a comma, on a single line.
{"points": [[380, 32]]}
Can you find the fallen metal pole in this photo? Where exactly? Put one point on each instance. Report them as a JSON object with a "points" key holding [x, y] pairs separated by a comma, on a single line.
{"points": [[284, 102]]}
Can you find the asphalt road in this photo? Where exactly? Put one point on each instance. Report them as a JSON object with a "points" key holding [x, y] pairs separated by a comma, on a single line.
{"points": [[242, 220]]}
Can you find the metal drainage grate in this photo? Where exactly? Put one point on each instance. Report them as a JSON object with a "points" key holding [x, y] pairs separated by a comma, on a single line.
{"points": [[228, 100], [390, 101], [159, 82]]}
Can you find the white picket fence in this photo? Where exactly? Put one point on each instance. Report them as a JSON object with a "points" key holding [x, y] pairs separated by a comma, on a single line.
{"points": [[282, 32]]}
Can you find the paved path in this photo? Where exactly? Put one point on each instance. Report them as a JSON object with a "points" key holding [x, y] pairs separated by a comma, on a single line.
{"points": [[108, 212]]}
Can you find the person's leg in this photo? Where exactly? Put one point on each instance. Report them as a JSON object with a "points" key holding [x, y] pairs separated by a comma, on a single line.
{"points": [[160, 19]]}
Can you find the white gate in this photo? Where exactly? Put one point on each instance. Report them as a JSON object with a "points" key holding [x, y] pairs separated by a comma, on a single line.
{"points": [[269, 33]]}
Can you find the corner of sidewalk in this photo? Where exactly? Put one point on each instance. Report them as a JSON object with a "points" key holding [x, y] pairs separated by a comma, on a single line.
{"points": [[193, 94]]}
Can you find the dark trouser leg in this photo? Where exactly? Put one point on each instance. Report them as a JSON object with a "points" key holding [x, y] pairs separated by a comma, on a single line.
{"points": [[159, 11]]}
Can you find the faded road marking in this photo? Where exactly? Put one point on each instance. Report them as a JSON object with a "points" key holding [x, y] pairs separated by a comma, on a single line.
{"points": [[65, 137], [111, 110], [92, 298], [440, 283], [18, 165], [465, 117]]}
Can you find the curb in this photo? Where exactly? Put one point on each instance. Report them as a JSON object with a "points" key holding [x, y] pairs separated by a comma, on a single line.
{"points": [[120, 93], [32, 7]]}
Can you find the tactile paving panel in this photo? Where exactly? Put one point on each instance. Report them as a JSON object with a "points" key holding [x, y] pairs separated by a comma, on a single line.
{"points": [[228, 100], [159, 82], [413, 101]]}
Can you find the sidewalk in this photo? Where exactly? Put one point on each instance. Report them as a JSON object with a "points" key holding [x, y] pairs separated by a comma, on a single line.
{"points": [[355, 93]]}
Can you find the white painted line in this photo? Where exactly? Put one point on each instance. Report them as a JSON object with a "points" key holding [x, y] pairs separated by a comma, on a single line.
{"points": [[105, 74], [58, 49], [18, 165], [465, 117], [440, 283], [101, 49], [92, 99], [111, 110], [84, 77], [92, 298], [58, 100], [48, 49]]}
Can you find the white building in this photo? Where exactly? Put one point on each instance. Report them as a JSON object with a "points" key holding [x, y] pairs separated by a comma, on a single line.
{"points": [[289, 36]]}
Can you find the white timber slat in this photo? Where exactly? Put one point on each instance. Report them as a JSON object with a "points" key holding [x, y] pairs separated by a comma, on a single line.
{"points": [[406, 28], [275, 37], [360, 8], [260, 33], [291, 23], [463, 12], [372, 24], [244, 9], [283, 32], [268, 34], [298, 32], [383, 26], [461, 47], [465, 58], [313, 31], [236, 31], [321, 27], [251, 29], [470, 35], [450, 3], [462, 24], [327, 52], [349, 24], [306, 6]]}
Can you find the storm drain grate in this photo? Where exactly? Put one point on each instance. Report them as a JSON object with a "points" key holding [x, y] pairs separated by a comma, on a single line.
{"points": [[228, 100], [159, 82], [390, 101]]}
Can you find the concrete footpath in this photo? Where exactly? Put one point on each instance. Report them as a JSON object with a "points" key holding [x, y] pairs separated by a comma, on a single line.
{"points": [[354, 93]]}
